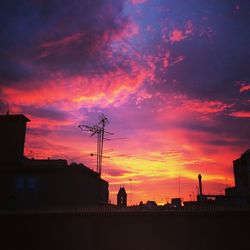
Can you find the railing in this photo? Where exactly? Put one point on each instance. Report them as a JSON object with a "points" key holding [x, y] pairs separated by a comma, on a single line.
{"points": [[134, 209]]}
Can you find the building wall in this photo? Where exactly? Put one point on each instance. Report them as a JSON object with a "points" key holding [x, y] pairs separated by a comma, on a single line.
{"points": [[26, 183], [240, 194], [51, 188], [242, 173]]}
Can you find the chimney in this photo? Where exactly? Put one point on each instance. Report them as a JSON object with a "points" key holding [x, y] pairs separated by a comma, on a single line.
{"points": [[200, 184]]}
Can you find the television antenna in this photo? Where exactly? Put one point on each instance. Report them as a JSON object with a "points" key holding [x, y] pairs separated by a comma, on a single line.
{"points": [[99, 131]]}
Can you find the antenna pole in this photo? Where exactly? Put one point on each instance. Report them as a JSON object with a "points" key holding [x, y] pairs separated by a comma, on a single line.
{"points": [[98, 153], [98, 130]]}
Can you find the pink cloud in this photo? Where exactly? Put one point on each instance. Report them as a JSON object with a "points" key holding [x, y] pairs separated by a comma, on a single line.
{"points": [[130, 29], [78, 90], [76, 37], [178, 35], [178, 59], [206, 107], [142, 96], [137, 1], [183, 103], [166, 59], [241, 114], [243, 86], [189, 28]]}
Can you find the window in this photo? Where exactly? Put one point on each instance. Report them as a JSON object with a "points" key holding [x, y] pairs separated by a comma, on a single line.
{"points": [[20, 182], [32, 182]]}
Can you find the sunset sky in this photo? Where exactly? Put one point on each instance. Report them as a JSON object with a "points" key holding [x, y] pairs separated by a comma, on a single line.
{"points": [[173, 78]]}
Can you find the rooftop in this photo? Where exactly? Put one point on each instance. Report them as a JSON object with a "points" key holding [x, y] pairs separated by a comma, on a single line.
{"points": [[246, 153], [16, 117]]}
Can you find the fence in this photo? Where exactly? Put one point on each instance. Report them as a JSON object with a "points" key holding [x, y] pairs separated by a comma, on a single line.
{"points": [[134, 209]]}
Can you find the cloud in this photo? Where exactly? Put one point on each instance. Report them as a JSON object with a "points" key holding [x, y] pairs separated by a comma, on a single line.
{"points": [[75, 54], [205, 107], [111, 88], [48, 112], [178, 35], [115, 172], [137, 1], [240, 114], [243, 86], [58, 35]]}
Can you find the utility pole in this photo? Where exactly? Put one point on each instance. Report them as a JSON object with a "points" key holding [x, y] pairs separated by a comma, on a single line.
{"points": [[179, 186], [130, 192]]}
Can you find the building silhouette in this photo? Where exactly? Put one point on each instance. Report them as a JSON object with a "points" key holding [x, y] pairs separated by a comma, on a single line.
{"points": [[12, 134], [42, 184], [122, 197], [176, 202], [241, 191], [239, 195]]}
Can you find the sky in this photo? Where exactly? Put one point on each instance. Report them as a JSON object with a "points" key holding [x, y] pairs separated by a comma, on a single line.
{"points": [[171, 76]]}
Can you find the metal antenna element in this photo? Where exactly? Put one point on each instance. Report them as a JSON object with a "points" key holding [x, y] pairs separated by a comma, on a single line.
{"points": [[99, 131]]}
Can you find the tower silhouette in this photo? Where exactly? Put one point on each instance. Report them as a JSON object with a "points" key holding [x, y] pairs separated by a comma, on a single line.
{"points": [[122, 197], [12, 134]]}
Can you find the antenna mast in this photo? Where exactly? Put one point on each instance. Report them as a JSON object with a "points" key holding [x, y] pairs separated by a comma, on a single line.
{"points": [[98, 130]]}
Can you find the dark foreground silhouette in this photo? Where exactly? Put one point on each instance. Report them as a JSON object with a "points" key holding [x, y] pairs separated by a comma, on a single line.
{"points": [[130, 231]]}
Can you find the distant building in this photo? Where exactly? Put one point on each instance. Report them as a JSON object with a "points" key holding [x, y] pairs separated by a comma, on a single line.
{"points": [[122, 198], [176, 202], [42, 184], [151, 204], [148, 206], [234, 196], [241, 191]]}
